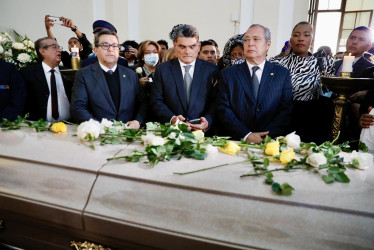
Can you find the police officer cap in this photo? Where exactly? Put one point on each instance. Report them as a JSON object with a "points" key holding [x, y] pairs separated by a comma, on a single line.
{"points": [[101, 24]]}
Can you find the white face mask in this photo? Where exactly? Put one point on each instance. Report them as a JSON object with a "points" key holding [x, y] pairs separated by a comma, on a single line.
{"points": [[151, 59]]}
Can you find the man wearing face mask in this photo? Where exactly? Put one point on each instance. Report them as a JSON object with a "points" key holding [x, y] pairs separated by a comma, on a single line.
{"points": [[183, 87]]}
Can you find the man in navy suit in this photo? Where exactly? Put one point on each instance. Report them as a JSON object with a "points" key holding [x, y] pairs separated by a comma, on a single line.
{"points": [[12, 92], [255, 97], [358, 42], [183, 87], [48, 91], [106, 89]]}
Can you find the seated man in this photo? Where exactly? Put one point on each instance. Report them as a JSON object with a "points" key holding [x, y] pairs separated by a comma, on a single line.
{"points": [[48, 92], [183, 87], [97, 27], [208, 51], [106, 89], [12, 92], [255, 97], [358, 42], [80, 41]]}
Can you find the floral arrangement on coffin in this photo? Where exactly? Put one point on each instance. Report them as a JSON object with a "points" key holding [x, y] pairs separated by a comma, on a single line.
{"points": [[17, 49], [164, 142]]}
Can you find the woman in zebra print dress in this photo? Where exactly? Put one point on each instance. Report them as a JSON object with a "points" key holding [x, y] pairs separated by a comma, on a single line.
{"points": [[305, 72]]}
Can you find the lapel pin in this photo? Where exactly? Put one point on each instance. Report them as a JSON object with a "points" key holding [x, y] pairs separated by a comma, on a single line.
{"points": [[271, 74], [124, 76]]}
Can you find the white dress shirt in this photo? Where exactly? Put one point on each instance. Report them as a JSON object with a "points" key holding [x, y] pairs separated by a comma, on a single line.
{"points": [[62, 99], [107, 69]]}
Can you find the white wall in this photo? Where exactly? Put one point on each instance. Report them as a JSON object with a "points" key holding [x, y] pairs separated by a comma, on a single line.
{"points": [[149, 19]]}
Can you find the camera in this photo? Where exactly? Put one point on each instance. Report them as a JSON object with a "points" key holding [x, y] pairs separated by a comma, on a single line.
{"points": [[127, 48]]}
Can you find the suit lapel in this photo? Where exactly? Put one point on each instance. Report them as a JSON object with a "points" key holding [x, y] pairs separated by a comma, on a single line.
{"points": [[178, 79], [101, 82], [122, 86], [246, 80], [196, 83], [266, 80], [41, 79]]}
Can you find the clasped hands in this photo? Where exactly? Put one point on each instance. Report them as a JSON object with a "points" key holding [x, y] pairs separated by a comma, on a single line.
{"points": [[204, 124]]}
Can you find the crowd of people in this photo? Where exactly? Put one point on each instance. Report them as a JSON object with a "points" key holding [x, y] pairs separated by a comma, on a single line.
{"points": [[239, 94]]}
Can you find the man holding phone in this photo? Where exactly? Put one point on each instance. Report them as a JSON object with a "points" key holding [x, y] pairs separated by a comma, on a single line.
{"points": [[80, 41], [183, 87]]}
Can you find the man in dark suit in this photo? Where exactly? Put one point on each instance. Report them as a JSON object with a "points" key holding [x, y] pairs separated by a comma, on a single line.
{"points": [[48, 91], [106, 89], [12, 92], [255, 97], [358, 42], [183, 87]]}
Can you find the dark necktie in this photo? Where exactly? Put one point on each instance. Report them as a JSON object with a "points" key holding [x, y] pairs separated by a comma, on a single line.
{"points": [[110, 72], [255, 82], [55, 113], [187, 81]]}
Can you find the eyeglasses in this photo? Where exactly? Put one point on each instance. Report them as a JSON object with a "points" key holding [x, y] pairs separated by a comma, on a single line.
{"points": [[55, 46], [255, 39], [147, 52], [105, 46]]}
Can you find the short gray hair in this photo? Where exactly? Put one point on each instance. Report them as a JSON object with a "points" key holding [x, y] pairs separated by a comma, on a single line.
{"points": [[184, 30], [266, 31]]}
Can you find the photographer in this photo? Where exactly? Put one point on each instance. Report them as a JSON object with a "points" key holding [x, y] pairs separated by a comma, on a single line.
{"points": [[80, 42], [130, 53]]}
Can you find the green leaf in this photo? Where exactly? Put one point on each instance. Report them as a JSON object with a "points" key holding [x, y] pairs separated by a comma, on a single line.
{"points": [[328, 178], [266, 162], [342, 177], [286, 189], [334, 170], [362, 146], [276, 188], [269, 181]]}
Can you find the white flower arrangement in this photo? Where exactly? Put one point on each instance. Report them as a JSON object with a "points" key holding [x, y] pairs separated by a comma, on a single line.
{"points": [[18, 50], [153, 140]]}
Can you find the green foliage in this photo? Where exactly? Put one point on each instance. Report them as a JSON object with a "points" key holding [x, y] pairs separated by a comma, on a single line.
{"points": [[22, 122], [362, 146]]}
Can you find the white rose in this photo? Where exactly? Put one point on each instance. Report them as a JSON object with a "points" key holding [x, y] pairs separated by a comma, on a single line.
{"points": [[365, 160], [91, 127], [18, 46], [211, 150], [139, 70], [293, 140], [153, 140], [23, 58], [153, 125], [105, 123], [1, 49], [316, 159]]}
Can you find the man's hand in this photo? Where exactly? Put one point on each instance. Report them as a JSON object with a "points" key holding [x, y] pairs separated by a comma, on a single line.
{"points": [[143, 81], [256, 137], [204, 124], [175, 119], [48, 22], [360, 95], [366, 120], [133, 124], [68, 23]]}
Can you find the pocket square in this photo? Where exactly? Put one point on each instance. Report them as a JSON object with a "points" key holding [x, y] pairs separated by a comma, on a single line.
{"points": [[4, 86]]}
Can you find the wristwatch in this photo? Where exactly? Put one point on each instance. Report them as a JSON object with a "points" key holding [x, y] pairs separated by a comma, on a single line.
{"points": [[74, 29]]}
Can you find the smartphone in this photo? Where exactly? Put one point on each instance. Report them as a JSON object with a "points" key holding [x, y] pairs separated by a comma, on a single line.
{"points": [[194, 121], [127, 48], [56, 20]]}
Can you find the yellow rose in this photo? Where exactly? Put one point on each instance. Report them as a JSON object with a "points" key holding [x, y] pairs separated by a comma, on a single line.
{"points": [[230, 148], [58, 127], [199, 135], [287, 156], [272, 148]]}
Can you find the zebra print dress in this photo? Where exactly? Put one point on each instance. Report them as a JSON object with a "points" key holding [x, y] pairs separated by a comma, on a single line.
{"points": [[305, 74]]}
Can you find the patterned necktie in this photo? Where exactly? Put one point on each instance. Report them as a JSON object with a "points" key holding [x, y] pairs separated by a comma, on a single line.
{"points": [[255, 82], [187, 81], [55, 113]]}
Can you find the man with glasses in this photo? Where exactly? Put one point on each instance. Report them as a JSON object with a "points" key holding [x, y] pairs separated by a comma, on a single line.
{"points": [[106, 89], [255, 97], [48, 92], [183, 87]]}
